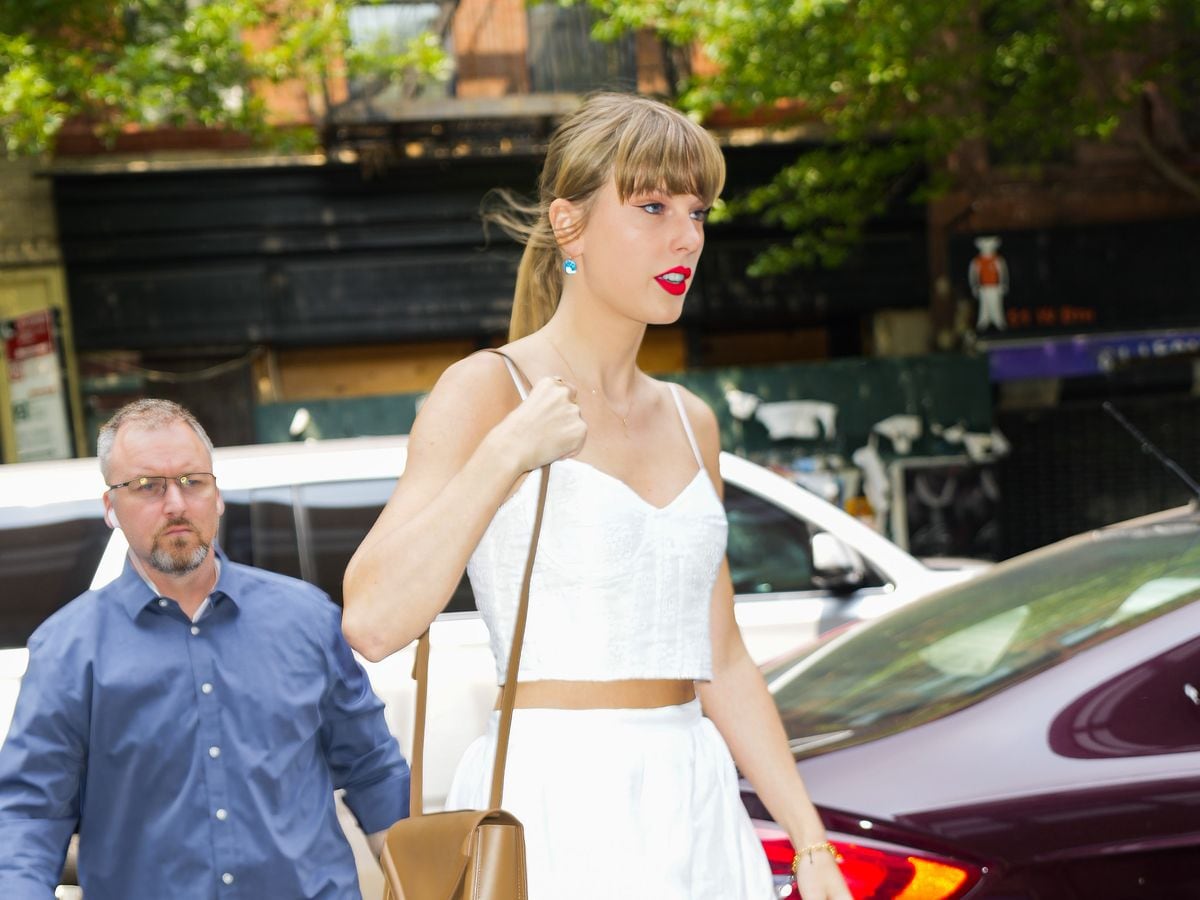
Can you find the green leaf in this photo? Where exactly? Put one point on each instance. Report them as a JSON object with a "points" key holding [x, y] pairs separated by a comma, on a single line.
{"points": [[152, 63]]}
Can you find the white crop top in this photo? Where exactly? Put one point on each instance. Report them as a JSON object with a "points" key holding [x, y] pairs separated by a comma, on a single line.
{"points": [[621, 588]]}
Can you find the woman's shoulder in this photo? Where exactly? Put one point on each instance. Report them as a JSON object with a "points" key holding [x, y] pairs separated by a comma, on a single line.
{"points": [[485, 368], [696, 406], [470, 396], [700, 415], [480, 379]]}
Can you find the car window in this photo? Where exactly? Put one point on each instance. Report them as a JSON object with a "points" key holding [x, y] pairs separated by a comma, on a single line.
{"points": [[939, 655], [1150, 709], [259, 529], [310, 531], [334, 519], [769, 549], [48, 555]]}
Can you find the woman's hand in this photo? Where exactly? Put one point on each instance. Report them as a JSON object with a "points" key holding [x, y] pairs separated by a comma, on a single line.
{"points": [[818, 877], [546, 426]]}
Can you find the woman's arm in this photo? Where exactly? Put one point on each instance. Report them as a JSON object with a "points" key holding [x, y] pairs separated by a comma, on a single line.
{"points": [[737, 702], [470, 444]]}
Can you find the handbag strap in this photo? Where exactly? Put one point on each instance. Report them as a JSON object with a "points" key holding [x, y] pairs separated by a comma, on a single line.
{"points": [[507, 695]]}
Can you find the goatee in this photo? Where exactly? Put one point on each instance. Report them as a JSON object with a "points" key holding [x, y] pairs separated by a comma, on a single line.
{"points": [[178, 562]]}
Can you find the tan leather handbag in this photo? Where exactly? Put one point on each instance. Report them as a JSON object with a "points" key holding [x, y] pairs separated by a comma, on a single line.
{"points": [[465, 854]]}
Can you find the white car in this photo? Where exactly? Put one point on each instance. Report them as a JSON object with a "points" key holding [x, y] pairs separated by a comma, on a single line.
{"points": [[800, 565]]}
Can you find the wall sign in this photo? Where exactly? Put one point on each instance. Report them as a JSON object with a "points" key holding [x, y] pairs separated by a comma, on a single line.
{"points": [[1084, 355], [1114, 278], [36, 387]]}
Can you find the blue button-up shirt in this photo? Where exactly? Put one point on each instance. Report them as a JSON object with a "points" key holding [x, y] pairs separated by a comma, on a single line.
{"points": [[198, 759]]}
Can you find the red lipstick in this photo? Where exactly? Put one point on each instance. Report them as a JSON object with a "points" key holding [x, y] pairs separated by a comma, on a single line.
{"points": [[674, 281]]}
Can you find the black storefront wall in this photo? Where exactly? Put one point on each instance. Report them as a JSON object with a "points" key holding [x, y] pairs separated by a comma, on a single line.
{"points": [[296, 256], [1135, 288], [1072, 468], [1112, 277]]}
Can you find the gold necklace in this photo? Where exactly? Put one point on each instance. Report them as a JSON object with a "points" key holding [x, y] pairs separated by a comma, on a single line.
{"points": [[595, 393]]}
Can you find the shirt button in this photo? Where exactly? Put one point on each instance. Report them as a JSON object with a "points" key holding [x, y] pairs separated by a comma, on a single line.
{"points": [[227, 878], [214, 751], [162, 601], [206, 688], [195, 629], [222, 815]]}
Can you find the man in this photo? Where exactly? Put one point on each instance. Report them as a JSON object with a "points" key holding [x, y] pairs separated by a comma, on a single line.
{"points": [[194, 717]]}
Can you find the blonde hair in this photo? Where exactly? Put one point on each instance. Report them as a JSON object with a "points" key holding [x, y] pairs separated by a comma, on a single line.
{"points": [[643, 145]]}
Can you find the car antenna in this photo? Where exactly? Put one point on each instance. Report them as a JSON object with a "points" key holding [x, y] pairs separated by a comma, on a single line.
{"points": [[1148, 447]]}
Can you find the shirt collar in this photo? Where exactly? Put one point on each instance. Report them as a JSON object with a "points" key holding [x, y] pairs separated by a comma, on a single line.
{"points": [[135, 592]]}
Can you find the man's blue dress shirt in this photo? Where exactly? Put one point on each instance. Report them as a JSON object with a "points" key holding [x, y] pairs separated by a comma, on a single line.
{"points": [[198, 760]]}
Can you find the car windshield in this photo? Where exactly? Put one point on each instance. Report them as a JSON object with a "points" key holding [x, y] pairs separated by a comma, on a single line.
{"points": [[945, 652]]}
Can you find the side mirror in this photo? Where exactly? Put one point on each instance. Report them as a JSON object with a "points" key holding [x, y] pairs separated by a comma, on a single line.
{"points": [[836, 567]]}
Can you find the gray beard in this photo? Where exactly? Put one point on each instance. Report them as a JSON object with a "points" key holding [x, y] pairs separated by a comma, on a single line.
{"points": [[177, 562]]}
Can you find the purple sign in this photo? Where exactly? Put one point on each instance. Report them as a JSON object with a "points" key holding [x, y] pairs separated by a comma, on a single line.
{"points": [[1085, 354]]}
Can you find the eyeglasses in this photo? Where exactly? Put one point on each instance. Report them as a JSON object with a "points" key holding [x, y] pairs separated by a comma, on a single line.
{"points": [[154, 487]]}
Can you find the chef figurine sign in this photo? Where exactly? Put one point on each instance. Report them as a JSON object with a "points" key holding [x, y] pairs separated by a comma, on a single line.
{"points": [[989, 283]]}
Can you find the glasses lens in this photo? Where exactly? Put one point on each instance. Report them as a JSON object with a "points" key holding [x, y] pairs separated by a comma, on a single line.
{"points": [[153, 487], [148, 486], [197, 482]]}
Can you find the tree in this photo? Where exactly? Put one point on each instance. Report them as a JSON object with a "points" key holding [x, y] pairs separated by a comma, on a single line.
{"points": [[116, 63], [909, 91]]}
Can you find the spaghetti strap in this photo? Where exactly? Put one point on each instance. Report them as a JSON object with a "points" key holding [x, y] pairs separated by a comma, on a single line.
{"points": [[517, 377], [687, 426]]}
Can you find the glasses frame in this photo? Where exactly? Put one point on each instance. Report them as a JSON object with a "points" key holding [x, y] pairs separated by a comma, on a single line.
{"points": [[177, 479]]}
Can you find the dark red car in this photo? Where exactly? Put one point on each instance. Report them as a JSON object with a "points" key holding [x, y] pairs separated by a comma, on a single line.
{"points": [[1032, 734]]}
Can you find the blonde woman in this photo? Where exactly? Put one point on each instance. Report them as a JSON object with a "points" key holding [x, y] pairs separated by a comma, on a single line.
{"points": [[635, 693]]}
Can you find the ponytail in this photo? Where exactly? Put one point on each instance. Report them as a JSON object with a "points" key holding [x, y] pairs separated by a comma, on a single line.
{"points": [[540, 274], [539, 286]]}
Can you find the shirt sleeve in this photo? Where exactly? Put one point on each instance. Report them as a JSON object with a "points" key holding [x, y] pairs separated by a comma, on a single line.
{"points": [[362, 754], [41, 769]]}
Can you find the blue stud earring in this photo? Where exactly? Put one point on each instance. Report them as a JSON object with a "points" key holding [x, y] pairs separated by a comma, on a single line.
{"points": [[570, 267]]}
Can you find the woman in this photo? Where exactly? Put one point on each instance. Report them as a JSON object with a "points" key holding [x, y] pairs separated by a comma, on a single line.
{"points": [[625, 789]]}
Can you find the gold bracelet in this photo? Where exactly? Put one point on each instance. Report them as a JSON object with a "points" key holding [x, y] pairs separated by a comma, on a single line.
{"points": [[813, 848]]}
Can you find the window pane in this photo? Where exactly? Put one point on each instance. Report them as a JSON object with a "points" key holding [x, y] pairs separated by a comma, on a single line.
{"points": [[769, 548], [48, 556], [390, 28], [339, 515], [234, 532], [563, 56], [259, 529], [1136, 713], [391, 24]]}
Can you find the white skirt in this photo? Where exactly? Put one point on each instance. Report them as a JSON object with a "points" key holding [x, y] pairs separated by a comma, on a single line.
{"points": [[622, 803]]}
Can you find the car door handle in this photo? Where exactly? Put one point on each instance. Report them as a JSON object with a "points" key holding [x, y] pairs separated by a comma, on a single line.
{"points": [[1191, 693]]}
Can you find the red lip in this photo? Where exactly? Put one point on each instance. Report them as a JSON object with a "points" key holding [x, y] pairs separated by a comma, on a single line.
{"points": [[674, 288]]}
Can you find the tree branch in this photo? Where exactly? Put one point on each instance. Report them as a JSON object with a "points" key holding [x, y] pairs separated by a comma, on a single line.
{"points": [[1170, 172]]}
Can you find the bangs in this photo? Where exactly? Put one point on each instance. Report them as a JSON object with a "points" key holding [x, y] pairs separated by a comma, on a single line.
{"points": [[662, 150]]}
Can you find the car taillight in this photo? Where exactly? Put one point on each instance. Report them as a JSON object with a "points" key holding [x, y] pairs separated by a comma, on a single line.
{"points": [[874, 873]]}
